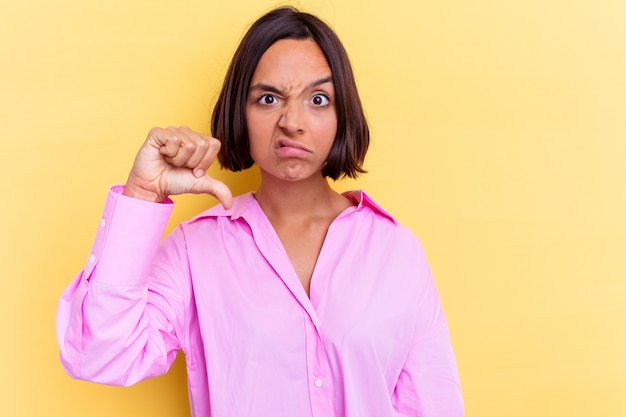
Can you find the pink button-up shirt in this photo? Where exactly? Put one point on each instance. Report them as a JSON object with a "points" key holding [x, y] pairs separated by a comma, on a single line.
{"points": [[371, 340]]}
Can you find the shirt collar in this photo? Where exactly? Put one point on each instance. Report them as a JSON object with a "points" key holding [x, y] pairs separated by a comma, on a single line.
{"points": [[245, 205], [361, 199], [241, 204]]}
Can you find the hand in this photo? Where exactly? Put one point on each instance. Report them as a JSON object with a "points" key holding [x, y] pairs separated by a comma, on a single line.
{"points": [[174, 161]]}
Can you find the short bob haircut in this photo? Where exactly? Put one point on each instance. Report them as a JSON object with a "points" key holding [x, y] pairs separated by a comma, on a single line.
{"points": [[229, 115]]}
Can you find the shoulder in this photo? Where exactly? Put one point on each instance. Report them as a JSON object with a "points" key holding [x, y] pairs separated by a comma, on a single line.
{"points": [[365, 204], [378, 224], [217, 224]]}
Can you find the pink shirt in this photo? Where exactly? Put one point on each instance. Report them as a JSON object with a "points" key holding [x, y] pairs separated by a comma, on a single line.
{"points": [[371, 340]]}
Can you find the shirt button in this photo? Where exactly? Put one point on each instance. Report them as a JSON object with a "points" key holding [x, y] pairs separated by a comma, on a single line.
{"points": [[102, 222], [318, 383], [92, 258]]}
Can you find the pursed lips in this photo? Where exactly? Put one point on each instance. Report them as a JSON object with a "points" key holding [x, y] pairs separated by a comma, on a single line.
{"points": [[288, 143]]}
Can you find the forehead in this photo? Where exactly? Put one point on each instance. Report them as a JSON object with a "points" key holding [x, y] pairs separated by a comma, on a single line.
{"points": [[292, 59]]}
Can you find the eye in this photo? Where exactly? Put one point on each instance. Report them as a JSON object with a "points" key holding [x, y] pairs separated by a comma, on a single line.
{"points": [[267, 99], [320, 100]]}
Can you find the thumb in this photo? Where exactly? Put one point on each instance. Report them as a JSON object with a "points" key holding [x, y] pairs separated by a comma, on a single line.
{"points": [[219, 190]]}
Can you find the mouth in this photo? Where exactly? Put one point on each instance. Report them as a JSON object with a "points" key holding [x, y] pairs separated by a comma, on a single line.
{"points": [[288, 143], [287, 148]]}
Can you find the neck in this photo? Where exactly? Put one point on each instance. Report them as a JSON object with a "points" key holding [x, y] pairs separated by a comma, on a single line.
{"points": [[297, 199]]}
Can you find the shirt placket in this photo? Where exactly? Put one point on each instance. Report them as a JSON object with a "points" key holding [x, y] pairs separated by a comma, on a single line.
{"points": [[319, 375]]}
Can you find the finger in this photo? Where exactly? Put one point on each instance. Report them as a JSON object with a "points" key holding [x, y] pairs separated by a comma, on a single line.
{"points": [[219, 190], [207, 156], [203, 153], [181, 157], [191, 151], [170, 146], [206, 149]]}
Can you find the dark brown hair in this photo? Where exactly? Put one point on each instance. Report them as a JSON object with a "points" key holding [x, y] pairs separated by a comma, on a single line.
{"points": [[229, 115]]}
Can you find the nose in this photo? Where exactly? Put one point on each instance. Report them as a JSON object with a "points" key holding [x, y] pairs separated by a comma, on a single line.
{"points": [[292, 118]]}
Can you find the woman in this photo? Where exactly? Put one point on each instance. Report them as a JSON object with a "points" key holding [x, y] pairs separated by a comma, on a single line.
{"points": [[293, 300]]}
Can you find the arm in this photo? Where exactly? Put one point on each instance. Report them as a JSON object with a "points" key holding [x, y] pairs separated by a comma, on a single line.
{"points": [[115, 325], [122, 317], [428, 384]]}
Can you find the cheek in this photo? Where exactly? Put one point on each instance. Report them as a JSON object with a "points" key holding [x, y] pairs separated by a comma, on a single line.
{"points": [[259, 134], [257, 129], [253, 126], [250, 122], [328, 129], [333, 128], [258, 122]]}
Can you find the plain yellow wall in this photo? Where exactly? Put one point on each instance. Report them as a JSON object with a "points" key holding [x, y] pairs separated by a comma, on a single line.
{"points": [[499, 138]]}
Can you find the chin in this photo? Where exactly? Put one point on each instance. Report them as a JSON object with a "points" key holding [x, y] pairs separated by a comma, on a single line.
{"points": [[293, 173], [292, 176]]}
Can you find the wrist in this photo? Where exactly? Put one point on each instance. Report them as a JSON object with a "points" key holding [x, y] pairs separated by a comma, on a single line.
{"points": [[133, 191]]}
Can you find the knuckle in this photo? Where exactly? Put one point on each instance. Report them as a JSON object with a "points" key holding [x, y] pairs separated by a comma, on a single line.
{"points": [[155, 131], [202, 144], [215, 144], [188, 146], [220, 188]]}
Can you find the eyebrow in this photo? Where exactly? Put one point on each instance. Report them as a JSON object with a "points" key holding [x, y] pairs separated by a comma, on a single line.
{"points": [[272, 89]]}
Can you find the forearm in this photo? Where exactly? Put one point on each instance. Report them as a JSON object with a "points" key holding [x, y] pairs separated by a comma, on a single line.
{"points": [[109, 329]]}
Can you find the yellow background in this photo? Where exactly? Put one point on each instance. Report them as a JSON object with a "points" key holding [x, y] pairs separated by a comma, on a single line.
{"points": [[499, 138]]}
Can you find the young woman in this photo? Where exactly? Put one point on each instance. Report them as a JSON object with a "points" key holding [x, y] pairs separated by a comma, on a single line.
{"points": [[291, 301]]}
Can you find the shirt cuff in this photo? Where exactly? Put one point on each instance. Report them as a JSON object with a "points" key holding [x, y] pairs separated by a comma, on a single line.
{"points": [[129, 234]]}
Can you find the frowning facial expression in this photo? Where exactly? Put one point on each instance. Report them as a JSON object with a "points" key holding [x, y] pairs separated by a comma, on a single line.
{"points": [[290, 111]]}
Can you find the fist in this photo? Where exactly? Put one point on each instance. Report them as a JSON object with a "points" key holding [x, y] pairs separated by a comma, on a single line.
{"points": [[174, 161]]}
